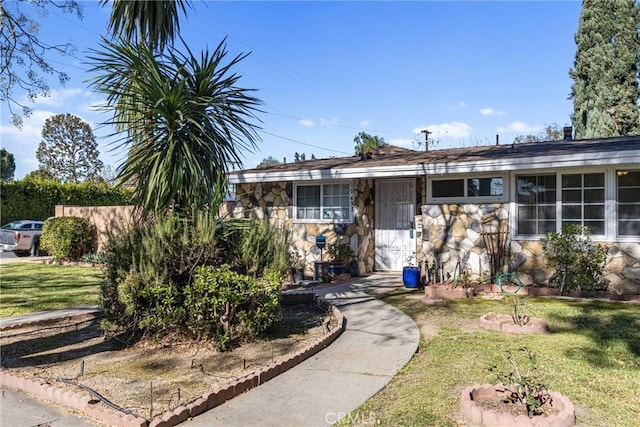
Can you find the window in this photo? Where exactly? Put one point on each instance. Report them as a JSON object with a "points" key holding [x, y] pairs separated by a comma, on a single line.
{"points": [[542, 207], [477, 187], [472, 187], [328, 202], [583, 201], [447, 188], [536, 200], [628, 203]]}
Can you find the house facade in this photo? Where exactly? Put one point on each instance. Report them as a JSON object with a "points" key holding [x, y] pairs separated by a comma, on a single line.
{"points": [[480, 210]]}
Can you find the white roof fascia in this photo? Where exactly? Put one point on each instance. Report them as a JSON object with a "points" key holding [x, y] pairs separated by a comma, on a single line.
{"points": [[493, 165]]}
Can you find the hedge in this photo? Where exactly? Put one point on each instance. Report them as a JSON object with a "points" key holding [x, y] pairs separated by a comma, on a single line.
{"points": [[67, 237], [36, 199]]}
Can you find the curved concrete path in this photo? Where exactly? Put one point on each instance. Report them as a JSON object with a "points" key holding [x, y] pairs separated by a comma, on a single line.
{"points": [[378, 341]]}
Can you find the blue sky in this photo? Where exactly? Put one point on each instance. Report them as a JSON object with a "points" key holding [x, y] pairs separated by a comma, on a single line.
{"points": [[325, 71]]}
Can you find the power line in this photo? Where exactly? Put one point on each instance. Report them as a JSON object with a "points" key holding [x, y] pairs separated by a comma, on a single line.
{"points": [[313, 85], [306, 144], [281, 113]]}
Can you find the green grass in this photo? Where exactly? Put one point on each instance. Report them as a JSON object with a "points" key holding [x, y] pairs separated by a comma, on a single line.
{"points": [[29, 287], [592, 356]]}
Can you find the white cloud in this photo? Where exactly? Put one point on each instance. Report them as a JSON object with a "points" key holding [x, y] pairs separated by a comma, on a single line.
{"points": [[491, 112], [58, 98], [404, 142], [331, 121], [365, 123], [32, 127], [442, 130], [23, 142], [320, 122], [519, 127]]}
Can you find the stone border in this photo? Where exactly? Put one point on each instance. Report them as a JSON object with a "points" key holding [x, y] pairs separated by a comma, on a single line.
{"points": [[447, 291], [540, 291], [475, 415], [91, 407]]}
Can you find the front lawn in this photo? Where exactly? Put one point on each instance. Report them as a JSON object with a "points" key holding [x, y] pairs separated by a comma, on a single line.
{"points": [[29, 287], [592, 355]]}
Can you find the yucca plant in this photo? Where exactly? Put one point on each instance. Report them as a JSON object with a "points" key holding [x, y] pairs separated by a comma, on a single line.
{"points": [[182, 118]]}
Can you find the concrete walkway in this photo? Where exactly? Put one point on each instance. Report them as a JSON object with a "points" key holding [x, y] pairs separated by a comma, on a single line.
{"points": [[49, 317], [378, 341]]}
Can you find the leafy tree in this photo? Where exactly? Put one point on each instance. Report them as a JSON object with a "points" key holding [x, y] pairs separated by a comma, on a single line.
{"points": [[109, 174], [301, 157], [182, 117], [551, 133], [605, 73], [7, 165], [268, 162], [69, 150], [39, 175], [366, 143], [24, 62]]}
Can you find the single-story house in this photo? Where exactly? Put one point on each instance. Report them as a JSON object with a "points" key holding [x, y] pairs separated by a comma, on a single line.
{"points": [[459, 208]]}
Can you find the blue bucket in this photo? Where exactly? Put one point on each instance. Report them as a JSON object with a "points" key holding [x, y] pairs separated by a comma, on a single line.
{"points": [[411, 277]]}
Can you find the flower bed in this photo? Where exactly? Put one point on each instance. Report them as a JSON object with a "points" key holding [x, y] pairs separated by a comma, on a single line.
{"points": [[560, 413], [446, 291]]}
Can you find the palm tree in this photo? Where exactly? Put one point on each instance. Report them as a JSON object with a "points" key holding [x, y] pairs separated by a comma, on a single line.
{"points": [[183, 119], [152, 23]]}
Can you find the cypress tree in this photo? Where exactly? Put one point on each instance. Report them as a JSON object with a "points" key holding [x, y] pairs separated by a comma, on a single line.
{"points": [[605, 90]]}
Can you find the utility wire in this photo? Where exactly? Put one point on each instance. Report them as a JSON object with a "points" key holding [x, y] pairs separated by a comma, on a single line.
{"points": [[304, 143], [292, 73]]}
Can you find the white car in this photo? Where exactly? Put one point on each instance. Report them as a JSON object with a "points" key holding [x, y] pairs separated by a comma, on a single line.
{"points": [[21, 236]]}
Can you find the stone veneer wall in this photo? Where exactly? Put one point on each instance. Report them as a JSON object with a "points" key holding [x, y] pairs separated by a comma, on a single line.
{"points": [[452, 233], [275, 201]]}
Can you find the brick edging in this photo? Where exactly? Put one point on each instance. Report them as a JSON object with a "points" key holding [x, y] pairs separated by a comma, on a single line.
{"points": [[86, 403]]}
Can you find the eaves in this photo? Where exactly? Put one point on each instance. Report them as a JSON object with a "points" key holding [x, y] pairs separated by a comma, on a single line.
{"points": [[370, 170]]}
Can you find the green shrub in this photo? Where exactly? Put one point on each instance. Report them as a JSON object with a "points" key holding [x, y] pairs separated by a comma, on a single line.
{"points": [[153, 306], [259, 246], [578, 261], [67, 238], [36, 199], [160, 277], [142, 260], [227, 306]]}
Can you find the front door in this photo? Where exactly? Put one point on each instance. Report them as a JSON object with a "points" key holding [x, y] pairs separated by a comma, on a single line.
{"points": [[395, 210]]}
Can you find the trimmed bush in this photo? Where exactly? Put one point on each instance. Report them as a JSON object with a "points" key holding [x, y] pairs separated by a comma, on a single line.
{"points": [[227, 306], [36, 199], [67, 238]]}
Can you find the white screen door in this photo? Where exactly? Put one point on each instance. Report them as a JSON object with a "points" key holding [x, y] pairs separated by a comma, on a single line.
{"points": [[395, 210]]}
